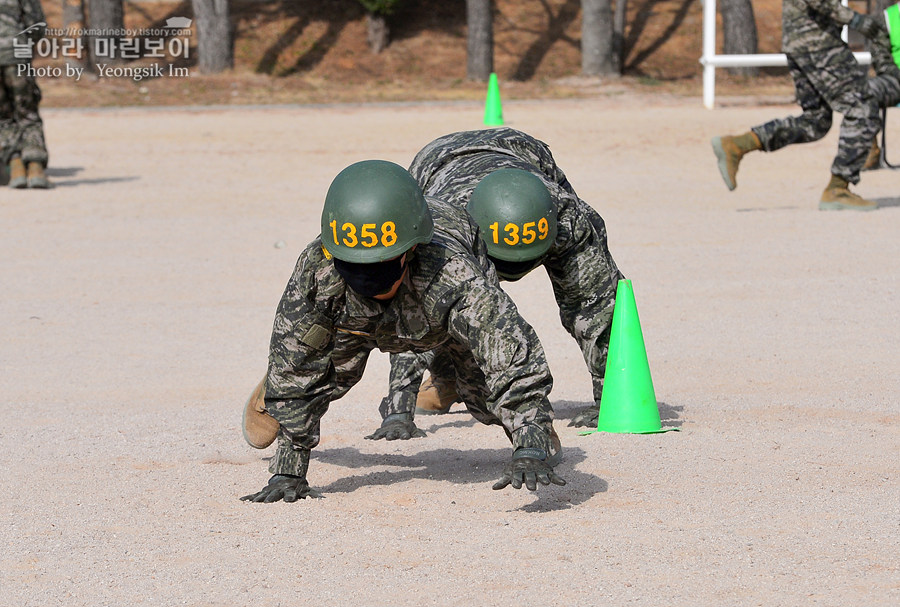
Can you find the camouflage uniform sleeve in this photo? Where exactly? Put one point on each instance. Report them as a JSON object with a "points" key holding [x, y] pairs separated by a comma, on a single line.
{"points": [[833, 8], [507, 351], [301, 380], [584, 278]]}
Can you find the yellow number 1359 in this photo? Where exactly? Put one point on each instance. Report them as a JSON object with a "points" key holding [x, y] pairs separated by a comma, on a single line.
{"points": [[525, 234]]}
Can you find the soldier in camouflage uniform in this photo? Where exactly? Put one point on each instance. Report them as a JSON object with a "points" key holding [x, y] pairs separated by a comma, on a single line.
{"points": [[827, 78], [577, 260], [394, 272], [22, 145]]}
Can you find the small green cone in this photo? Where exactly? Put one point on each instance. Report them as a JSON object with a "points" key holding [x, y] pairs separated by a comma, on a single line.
{"points": [[493, 112], [892, 20], [628, 404]]}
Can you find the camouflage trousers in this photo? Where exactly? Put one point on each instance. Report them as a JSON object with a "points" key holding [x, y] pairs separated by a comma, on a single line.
{"points": [[827, 82], [452, 365], [21, 127]]}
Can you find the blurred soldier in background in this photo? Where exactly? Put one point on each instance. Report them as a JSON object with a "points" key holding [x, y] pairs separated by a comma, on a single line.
{"points": [[827, 78], [22, 146], [393, 271]]}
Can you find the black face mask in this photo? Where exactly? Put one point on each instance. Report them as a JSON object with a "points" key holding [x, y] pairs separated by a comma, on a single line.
{"points": [[514, 270], [371, 279]]}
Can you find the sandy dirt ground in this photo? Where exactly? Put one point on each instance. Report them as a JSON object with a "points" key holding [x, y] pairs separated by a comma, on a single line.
{"points": [[138, 297]]}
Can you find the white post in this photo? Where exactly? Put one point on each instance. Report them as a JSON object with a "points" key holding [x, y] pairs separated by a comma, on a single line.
{"points": [[709, 52]]}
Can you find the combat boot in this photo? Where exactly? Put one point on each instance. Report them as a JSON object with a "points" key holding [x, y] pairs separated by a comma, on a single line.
{"points": [[17, 176], [434, 399], [873, 160], [729, 152], [37, 179], [837, 196], [260, 429]]}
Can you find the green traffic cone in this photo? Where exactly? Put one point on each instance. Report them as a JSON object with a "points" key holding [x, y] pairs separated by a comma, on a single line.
{"points": [[892, 20], [628, 404], [493, 112]]}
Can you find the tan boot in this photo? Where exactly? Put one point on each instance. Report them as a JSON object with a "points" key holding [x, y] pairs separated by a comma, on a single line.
{"points": [[260, 429], [17, 176], [434, 399], [837, 196], [729, 152], [36, 177], [873, 160]]}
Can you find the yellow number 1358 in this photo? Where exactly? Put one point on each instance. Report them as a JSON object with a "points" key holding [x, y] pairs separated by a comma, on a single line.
{"points": [[368, 234]]}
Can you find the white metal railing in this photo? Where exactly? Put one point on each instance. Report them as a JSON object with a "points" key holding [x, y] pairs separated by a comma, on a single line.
{"points": [[710, 60]]}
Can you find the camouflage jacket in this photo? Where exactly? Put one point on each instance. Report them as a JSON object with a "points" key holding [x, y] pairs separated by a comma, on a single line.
{"points": [[811, 26], [15, 17], [323, 333], [581, 270]]}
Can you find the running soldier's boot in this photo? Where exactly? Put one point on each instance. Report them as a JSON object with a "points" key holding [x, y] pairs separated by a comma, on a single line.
{"points": [[729, 151], [18, 178], [37, 179], [260, 429], [837, 196], [873, 160], [434, 399]]}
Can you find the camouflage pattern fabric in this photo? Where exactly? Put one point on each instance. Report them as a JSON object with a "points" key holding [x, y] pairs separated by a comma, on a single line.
{"points": [[15, 17], [827, 82], [885, 85], [581, 270], [21, 127], [810, 26], [450, 301]]}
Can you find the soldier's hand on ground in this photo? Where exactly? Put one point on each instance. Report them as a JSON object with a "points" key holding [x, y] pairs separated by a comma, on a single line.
{"points": [[868, 26], [397, 426], [288, 487], [529, 467], [587, 418]]}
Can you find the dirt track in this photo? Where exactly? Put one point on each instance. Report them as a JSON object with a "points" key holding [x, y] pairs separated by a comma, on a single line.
{"points": [[138, 300]]}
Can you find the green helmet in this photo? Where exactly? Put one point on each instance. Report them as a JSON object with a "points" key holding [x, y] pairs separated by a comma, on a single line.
{"points": [[515, 213], [374, 211]]}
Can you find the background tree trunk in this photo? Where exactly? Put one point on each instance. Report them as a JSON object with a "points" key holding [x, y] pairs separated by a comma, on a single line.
{"points": [[109, 16], [73, 21], [739, 32], [619, 19], [597, 38], [215, 41], [480, 39], [378, 34]]}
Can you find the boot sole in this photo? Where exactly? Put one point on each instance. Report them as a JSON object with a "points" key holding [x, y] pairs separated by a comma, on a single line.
{"points": [[723, 162], [839, 206], [258, 427]]}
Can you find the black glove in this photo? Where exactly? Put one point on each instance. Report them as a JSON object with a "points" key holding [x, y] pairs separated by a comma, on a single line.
{"points": [[397, 426], [528, 465], [868, 26], [283, 486], [587, 417]]}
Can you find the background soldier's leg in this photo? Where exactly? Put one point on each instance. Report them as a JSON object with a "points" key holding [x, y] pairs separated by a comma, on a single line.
{"points": [[811, 125], [8, 131], [841, 81], [26, 98]]}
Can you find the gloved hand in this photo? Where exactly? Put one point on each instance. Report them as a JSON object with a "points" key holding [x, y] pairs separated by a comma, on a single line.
{"points": [[397, 426], [587, 418], [528, 465], [283, 486], [868, 26]]}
